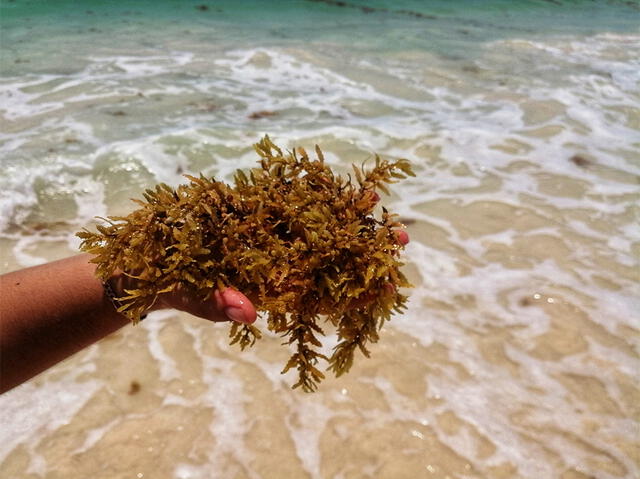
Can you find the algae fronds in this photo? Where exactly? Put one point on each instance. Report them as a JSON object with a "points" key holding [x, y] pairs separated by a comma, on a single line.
{"points": [[299, 240]]}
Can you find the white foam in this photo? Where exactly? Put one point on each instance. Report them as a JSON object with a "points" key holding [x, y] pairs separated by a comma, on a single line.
{"points": [[168, 368], [94, 435], [225, 395], [189, 471], [465, 118], [21, 98], [306, 423], [32, 411]]}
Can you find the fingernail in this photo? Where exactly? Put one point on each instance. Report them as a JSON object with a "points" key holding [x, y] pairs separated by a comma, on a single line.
{"points": [[236, 314], [390, 288]]}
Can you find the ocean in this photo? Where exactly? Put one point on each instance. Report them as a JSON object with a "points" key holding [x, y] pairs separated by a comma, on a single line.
{"points": [[518, 356]]}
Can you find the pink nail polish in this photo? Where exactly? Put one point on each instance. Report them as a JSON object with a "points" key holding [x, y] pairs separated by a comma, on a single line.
{"points": [[403, 237], [235, 314]]}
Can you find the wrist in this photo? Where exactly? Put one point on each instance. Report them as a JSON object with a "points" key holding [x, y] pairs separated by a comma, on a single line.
{"points": [[117, 287]]}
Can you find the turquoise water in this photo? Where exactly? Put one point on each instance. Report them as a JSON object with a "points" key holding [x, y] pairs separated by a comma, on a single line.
{"points": [[448, 28], [518, 356]]}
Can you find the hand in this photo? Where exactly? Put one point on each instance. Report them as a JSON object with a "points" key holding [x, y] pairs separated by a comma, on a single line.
{"points": [[232, 305], [226, 305], [403, 237], [363, 300]]}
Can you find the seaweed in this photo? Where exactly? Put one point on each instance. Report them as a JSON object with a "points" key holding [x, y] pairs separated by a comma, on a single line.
{"points": [[302, 242]]}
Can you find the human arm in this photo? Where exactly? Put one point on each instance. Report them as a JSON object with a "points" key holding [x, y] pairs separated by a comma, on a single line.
{"points": [[51, 311]]}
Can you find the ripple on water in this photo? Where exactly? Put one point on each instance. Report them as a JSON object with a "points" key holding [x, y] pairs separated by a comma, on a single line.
{"points": [[518, 355]]}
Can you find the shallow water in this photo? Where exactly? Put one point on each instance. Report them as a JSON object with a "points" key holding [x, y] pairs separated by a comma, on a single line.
{"points": [[518, 356]]}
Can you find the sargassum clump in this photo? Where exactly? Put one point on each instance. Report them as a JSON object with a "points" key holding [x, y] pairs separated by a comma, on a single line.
{"points": [[299, 240]]}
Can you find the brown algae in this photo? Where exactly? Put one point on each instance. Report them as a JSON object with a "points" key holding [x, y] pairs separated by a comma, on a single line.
{"points": [[297, 239]]}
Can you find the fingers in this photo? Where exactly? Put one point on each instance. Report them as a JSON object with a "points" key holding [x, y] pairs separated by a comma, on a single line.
{"points": [[231, 305], [235, 306], [403, 237], [226, 305], [366, 298], [361, 301]]}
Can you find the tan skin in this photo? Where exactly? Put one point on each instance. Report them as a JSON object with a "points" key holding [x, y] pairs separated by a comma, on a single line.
{"points": [[51, 311]]}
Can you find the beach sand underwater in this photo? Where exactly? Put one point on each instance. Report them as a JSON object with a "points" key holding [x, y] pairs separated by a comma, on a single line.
{"points": [[518, 356]]}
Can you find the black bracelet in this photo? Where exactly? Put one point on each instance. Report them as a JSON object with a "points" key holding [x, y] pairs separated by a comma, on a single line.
{"points": [[117, 304]]}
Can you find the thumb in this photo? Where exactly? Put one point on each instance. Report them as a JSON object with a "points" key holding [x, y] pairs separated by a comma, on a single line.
{"points": [[231, 305], [224, 305]]}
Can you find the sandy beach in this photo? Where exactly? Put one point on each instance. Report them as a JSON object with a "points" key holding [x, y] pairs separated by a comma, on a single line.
{"points": [[518, 355]]}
